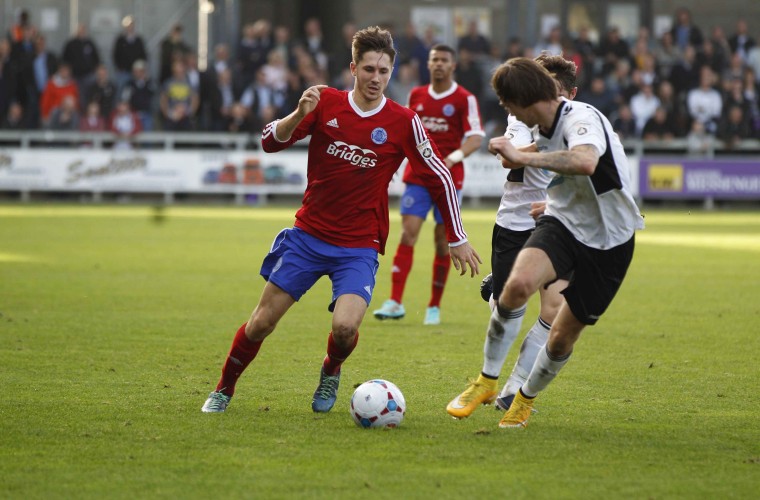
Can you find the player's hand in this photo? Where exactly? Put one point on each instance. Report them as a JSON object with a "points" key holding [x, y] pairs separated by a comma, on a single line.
{"points": [[308, 101], [501, 146], [530, 148], [537, 209], [464, 255]]}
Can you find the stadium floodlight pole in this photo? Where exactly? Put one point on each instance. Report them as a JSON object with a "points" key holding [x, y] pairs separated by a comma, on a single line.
{"points": [[205, 7], [74, 19]]}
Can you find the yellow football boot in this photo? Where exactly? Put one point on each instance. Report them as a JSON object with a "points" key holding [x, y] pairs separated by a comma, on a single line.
{"points": [[518, 413], [482, 391]]}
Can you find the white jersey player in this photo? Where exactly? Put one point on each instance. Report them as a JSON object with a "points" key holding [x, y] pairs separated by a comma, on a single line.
{"points": [[589, 225], [524, 189]]}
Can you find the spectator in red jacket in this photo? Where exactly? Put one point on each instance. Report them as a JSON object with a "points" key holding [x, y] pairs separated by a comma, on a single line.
{"points": [[58, 87]]}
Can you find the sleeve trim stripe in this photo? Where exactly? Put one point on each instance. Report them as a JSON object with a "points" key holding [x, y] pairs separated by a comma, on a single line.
{"points": [[437, 166], [473, 114]]}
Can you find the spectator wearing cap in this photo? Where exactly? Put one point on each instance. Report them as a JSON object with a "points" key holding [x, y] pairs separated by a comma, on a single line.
{"points": [[139, 92]]}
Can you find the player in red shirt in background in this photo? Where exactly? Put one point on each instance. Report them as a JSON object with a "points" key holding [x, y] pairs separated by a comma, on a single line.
{"points": [[358, 139], [450, 115]]}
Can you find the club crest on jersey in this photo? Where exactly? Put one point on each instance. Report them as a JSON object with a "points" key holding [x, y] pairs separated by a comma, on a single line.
{"points": [[448, 110], [379, 135], [425, 149], [582, 130]]}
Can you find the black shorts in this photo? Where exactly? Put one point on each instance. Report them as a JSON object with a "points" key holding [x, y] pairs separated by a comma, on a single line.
{"points": [[505, 245], [596, 274]]}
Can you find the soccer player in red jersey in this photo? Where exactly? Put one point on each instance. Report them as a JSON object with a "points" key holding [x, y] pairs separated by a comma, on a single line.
{"points": [[358, 139], [450, 115]]}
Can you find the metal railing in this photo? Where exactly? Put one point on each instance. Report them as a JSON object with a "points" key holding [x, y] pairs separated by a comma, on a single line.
{"points": [[105, 140], [240, 141]]}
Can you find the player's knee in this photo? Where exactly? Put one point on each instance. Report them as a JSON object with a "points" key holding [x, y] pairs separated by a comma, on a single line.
{"points": [[344, 333], [408, 238], [516, 292], [259, 326]]}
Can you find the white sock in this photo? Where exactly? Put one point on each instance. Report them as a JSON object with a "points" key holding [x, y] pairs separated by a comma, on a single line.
{"points": [[531, 346], [543, 372], [502, 332]]}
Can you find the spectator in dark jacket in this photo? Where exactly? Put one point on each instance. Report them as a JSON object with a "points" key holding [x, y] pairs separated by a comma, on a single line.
{"points": [[140, 92], [127, 49], [102, 90], [252, 49], [684, 32], [22, 66], [741, 42], [173, 47], [658, 127], [81, 53]]}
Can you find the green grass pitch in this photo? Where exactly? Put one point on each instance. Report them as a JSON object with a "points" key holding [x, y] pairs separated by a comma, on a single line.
{"points": [[114, 323]]}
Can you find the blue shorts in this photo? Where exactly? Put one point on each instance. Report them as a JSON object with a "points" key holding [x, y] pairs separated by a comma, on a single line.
{"points": [[297, 260], [417, 201]]}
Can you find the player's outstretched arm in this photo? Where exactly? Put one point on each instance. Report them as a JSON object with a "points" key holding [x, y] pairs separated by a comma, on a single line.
{"points": [[464, 255], [306, 104], [581, 160]]}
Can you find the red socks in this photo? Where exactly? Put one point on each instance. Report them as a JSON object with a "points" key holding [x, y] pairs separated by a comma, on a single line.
{"points": [[441, 266], [241, 354], [336, 355], [402, 264]]}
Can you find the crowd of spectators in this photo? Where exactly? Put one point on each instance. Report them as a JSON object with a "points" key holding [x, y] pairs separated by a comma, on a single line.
{"points": [[683, 84]]}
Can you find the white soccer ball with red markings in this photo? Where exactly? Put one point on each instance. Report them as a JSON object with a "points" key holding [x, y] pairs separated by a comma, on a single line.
{"points": [[378, 403]]}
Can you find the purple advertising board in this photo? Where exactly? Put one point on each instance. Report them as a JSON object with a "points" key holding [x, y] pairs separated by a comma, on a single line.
{"points": [[699, 179]]}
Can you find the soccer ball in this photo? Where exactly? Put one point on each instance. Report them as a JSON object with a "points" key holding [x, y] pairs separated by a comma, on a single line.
{"points": [[378, 403]]}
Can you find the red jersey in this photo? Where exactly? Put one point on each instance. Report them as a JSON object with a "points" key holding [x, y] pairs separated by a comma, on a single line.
{"points": [[449, 118], [353, 155]]}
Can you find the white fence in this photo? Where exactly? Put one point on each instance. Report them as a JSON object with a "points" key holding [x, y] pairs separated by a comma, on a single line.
{"points": [[231, 166]]}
